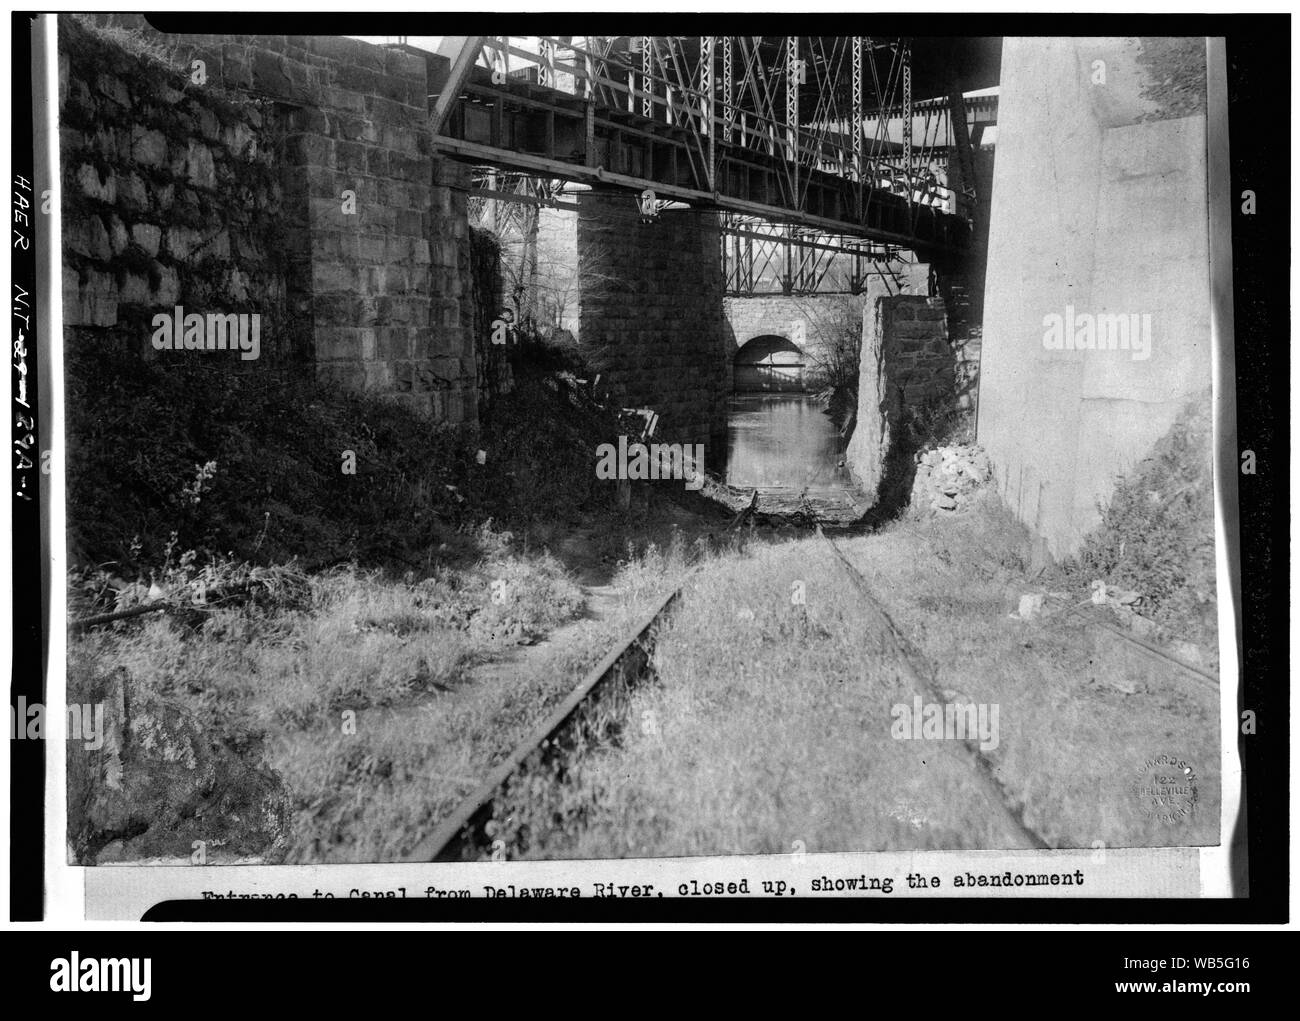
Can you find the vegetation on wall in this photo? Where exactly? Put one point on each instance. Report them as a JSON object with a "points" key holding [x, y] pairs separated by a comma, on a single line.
{"points": [[170, 192], [280, 464], [1156, 535]]}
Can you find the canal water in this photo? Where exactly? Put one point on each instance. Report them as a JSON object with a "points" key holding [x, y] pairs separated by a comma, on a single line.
{"points": [[784, 444]]}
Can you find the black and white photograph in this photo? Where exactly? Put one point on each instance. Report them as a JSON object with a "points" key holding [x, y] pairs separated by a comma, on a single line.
{"points": [[666, 466]]}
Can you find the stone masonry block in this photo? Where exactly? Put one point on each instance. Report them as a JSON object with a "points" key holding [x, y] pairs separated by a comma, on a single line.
{"points": [[96, 187], [341, 343], [148, 236], [343, 99], [392, 342], [87, 236], [310, 148], [327, 276], [350, 375], [350, 157], [343, 50], [912, 330], [94, 299]]}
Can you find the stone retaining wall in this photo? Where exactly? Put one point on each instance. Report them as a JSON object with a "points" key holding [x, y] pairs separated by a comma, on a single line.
{"points": [[907, 367], [651, 313], [304, 166], [170, 196]]}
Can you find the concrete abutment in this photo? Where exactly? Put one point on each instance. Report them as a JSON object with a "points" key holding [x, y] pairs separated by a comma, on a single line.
{"points": [[1116, 232]]}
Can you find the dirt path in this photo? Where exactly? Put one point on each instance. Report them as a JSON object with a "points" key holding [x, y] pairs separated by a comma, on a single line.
{"points": [[603, 601]]}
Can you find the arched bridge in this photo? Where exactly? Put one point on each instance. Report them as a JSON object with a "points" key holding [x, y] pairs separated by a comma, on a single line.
{"points": [[769, 364]]}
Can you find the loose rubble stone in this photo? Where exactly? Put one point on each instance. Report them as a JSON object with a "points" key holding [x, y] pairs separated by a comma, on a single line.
{"points": [[948, 477], [1031, 605], [157, 782]]}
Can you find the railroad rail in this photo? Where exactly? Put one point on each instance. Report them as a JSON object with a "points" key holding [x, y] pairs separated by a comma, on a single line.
{"points": [[463, 834], [1086, 615], [921, 673]]}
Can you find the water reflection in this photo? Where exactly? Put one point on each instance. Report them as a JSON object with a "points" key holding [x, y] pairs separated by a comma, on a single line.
{"points": [[784, 442]]}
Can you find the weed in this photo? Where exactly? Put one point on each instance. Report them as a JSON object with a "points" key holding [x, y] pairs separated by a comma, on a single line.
{"points": [[1156, 534]]}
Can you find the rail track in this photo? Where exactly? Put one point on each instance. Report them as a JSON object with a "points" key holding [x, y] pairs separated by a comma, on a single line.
{"points": [[464, 835], [922, 674], [1088, 616]]}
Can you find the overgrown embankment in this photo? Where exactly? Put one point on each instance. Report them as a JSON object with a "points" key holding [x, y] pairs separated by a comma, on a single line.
{"points": [[344, 702], [278, 465], [1156, 536], [335, 713]]}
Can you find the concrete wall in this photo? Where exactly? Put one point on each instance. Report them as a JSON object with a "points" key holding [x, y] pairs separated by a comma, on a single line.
{"points": [[1099, 208], [650, 312], [377, 298]]}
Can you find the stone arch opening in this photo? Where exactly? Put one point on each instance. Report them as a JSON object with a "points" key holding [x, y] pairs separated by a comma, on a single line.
{"points": [[769, 364]]}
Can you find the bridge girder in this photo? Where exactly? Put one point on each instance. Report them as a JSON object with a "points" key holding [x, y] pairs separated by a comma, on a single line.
{"points": [[756, 126]]}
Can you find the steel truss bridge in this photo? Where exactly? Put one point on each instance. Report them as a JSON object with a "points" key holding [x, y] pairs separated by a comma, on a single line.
{"points": [[758, 257], [813, 149]]}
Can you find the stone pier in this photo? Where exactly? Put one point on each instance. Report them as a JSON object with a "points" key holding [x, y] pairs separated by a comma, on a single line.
{"points": [[650, 312]]}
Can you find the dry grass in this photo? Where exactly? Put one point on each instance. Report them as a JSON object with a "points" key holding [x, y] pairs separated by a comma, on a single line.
{"points": [[381, 704], [771, 722], [369, 700]]}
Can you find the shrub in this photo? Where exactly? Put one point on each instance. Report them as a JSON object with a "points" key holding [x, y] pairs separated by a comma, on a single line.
{"points": [[251, 464]]}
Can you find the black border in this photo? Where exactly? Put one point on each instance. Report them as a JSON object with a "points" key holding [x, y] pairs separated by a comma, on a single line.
{"points": [[30, 594], [318, 972], [1258, 52]]}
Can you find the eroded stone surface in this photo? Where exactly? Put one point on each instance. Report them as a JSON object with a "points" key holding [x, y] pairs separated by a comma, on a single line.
{"points": [[158, 782]]}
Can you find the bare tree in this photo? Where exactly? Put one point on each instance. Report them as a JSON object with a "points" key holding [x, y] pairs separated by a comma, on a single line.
{"points": [[834, 339]]}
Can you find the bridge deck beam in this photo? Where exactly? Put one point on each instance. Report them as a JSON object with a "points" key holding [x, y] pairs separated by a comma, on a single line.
{"points": [[534, 129], [476, 153]]}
